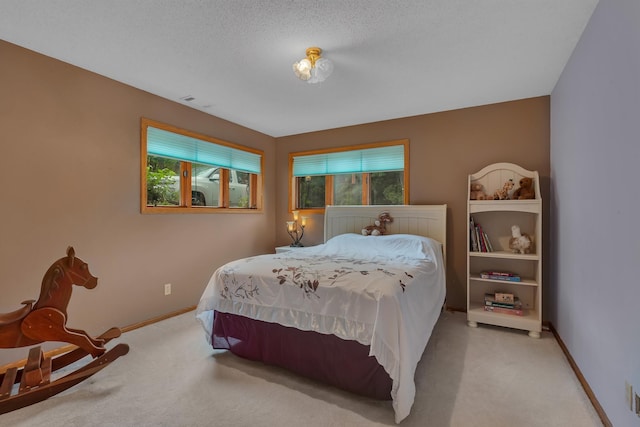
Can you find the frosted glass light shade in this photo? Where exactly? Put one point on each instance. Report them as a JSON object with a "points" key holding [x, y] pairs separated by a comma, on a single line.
{"points": [[302, 69], [321, 71]]}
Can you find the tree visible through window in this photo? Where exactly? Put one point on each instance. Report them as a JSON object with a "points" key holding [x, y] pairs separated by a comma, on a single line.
{"points": [[311, 192], [161, 176], [386, 188], [347, 189]]}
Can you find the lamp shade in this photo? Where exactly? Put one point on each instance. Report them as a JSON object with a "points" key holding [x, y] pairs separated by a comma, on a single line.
{"points": [[313, 68], [302, 69], [321, 71]]}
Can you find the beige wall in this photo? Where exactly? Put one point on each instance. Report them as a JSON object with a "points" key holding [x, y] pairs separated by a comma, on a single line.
{"points": [[70, 176], [445, 148]]}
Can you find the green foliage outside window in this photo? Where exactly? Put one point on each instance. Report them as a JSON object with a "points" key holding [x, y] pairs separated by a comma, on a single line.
{"points": [[347, 189], [161, 188], [387, 188], [311, 192]]}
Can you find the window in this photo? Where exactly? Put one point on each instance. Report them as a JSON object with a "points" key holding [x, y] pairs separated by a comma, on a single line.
{"points": [[186, 172], [372, 174]]}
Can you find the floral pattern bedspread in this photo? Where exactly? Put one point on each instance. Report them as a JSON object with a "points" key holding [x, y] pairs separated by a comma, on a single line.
{"points": [[307, 273], [384, 303]]}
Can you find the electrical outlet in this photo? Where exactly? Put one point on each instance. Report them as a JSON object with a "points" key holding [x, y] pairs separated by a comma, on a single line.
{"points": [[629, 394], [167, 288], [637, 405]]}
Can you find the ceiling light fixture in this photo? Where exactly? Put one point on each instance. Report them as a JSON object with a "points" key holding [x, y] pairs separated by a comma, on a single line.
{"points": [[313, 68]]}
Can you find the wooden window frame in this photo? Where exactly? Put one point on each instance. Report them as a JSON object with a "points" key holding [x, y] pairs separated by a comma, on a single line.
{"points": [[329, 194], [255, 185]]}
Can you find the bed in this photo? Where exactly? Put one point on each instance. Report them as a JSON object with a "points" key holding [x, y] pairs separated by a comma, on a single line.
{"points": [[355, 312]]}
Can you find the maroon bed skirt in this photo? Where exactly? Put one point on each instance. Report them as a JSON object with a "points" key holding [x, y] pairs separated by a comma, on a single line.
{"points": [[327, 358]]}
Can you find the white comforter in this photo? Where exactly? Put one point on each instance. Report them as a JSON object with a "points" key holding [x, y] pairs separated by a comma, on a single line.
{"points": [[383, 291]]}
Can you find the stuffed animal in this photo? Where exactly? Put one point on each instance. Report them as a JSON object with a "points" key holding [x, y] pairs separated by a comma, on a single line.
{"points": [[379, 226], [503, 193], [519, 242], [525, 191], [477, 192]]}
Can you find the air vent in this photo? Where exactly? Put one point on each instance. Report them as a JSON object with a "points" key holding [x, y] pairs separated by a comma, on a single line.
{"points": [[192, 100]]}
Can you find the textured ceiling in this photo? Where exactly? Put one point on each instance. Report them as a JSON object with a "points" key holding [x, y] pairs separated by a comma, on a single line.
{"points": [[392, 58]]}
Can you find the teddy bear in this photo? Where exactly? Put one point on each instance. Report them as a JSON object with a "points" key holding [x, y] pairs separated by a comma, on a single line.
{"points": [[379, 226], [525, 191], [477, 192], [503, 193]]}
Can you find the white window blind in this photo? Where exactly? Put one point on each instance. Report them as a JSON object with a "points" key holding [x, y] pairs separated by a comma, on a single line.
{"points": [[181, 147], [381, 159]]}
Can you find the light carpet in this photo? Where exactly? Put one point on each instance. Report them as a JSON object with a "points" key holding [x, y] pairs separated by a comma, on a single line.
{"points": [[484, 376]]}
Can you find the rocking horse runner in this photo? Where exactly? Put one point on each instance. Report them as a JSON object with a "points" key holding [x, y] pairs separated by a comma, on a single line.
{"points": [[46, 321]]}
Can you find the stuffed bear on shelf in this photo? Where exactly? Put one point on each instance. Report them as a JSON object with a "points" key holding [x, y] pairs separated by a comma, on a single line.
{"points": [[476, 192], [525, 191]]}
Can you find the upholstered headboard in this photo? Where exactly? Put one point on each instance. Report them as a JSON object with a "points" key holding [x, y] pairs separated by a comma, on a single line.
{"points": [[422, 220]]}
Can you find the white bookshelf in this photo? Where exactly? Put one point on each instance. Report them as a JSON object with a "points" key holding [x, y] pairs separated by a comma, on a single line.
{"points": [[496, 218]]}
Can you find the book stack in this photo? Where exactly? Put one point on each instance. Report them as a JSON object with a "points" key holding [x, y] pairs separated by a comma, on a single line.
{"points": [[502, 302], [478, 239], [500, 275]]}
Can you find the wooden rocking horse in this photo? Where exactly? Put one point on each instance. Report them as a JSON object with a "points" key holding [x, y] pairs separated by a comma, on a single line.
{"points": [[46, 321]]}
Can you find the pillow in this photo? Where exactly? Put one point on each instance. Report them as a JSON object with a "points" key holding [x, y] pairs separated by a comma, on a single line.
{"points": [[387, 246]]}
